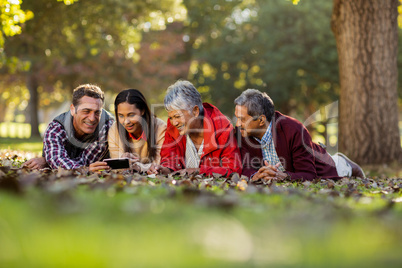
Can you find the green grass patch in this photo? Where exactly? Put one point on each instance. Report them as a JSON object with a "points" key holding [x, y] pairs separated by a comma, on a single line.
{"points": [[33, 145]]}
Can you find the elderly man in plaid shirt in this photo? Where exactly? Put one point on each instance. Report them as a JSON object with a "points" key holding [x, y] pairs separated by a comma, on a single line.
{"points": [[276, 146], [78, 137]]}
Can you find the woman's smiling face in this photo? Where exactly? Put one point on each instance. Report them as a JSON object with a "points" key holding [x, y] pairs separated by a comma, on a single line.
{"points": [[130, 117], [183, 120]]}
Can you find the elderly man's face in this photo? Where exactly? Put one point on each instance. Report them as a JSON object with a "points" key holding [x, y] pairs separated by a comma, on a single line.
{"points": [[247, 125], [183, 120]]}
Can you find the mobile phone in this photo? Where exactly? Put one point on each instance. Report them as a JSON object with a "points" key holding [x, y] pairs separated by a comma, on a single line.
{"points": [[117, 163]]}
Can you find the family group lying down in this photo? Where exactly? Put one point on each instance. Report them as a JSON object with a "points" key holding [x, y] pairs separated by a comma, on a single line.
{"points": [[264, 145]]}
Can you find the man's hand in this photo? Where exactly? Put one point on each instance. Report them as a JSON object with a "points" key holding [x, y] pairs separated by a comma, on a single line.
{"points": [[98, 166], [36, 163], [269, 172], [158, 169]]}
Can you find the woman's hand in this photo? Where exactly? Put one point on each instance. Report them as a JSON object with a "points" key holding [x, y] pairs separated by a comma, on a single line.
{"points": [[158, 169], [131, 156], [192, 170], [134, 159]]}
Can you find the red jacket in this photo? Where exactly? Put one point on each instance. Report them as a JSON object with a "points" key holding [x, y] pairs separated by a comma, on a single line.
{"points": [[299, 155], [220, 155]]}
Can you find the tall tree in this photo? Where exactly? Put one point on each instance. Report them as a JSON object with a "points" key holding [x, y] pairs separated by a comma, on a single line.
{"points": [[366, 33], [87, 41], [285, 50], [11, 16], [163, 60]]}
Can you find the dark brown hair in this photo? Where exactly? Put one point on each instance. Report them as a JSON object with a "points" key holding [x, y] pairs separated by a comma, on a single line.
{"points": [[148, 122], [89, 90]]}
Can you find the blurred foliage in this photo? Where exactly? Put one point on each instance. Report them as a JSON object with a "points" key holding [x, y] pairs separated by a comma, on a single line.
{"points": [[284, 49], [13, 99], [85, 41], [400, 65], [163, 60], [400, 14], [70, 43], [11, 16]]}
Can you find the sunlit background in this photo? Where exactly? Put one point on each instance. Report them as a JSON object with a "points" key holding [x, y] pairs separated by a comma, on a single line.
{"points": [[285, 48]]}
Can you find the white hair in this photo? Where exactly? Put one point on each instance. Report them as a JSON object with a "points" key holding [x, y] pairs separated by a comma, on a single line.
{"points": [[182, 95]]}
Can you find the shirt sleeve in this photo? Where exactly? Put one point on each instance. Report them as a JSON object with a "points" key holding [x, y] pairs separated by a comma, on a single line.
{"points": [[57, 156], [54, 150], [230, 159], [302, 156], [251, 156], [170, 152]]}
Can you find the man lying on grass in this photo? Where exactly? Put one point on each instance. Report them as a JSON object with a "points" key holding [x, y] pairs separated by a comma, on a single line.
{"points": [[276, 146], [78, 137]]}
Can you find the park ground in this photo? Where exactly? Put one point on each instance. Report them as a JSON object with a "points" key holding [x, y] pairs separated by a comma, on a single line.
{"points": [[70, 219]]}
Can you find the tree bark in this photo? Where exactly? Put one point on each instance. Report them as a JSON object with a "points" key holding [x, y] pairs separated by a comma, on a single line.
{"points": [[32, 83], [3, 110], [366, 33]]}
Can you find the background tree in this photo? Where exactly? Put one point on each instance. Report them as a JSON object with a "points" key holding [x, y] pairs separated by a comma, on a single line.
{"points": [[366, 33], [163, 60], [289, 52], [11, 16], [286, 50], [88, 41]]}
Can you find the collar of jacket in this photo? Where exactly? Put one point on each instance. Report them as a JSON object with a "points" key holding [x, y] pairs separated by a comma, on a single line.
{"points": [[210, 143]]}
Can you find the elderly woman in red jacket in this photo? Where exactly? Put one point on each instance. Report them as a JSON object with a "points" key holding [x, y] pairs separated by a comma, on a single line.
{"points": [[198, 136]]}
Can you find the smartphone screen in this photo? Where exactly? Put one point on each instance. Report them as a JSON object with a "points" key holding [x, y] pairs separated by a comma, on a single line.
{"points": [[117, 163]]}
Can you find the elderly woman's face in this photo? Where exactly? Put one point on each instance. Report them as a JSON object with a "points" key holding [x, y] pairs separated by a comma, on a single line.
{"points": [[183, 119]]}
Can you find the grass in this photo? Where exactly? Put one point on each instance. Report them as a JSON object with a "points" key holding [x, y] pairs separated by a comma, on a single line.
{"points": [[53, 223], [34, 145]]}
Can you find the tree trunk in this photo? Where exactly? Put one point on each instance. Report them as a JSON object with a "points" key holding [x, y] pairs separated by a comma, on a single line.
{"points": [[366, 33], [33, 85], [3, 110]]}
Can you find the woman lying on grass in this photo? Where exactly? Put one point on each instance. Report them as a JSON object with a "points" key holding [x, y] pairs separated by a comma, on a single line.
{"points": [[137, 134], [199, 138]]}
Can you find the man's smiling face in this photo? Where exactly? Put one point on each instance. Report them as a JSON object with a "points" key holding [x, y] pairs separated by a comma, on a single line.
{"points": [[86, 115]]}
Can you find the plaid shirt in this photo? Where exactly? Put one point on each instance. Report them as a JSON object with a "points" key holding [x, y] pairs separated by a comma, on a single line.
{"points": [[268, 149], [56, 154]]}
